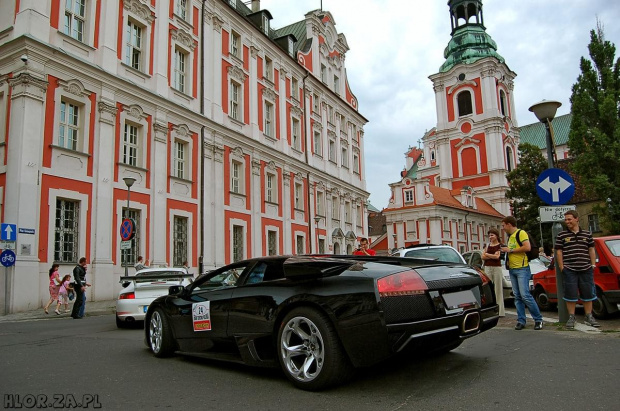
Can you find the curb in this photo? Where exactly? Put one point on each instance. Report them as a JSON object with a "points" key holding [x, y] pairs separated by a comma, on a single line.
{"points": [[94, 308], [578, 327]]}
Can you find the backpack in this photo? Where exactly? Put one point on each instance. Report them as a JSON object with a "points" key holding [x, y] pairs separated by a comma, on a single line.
{"points": [[534, 251]]}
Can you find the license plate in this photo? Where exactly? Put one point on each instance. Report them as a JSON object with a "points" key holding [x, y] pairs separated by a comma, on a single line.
{"points": [[460, 299], [146, 307]]}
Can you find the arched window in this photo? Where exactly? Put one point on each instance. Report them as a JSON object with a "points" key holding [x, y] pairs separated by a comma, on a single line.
{"points": [[502, 102], [464, 102], [509, 165], [432, 155]]}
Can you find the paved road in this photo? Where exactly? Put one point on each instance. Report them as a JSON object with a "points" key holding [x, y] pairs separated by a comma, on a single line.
{"points": [[500, 369]]}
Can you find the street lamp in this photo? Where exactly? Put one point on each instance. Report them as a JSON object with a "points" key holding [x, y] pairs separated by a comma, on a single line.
{"points": [[542, 244], [545, 112], [317, 219], [128, 182]]}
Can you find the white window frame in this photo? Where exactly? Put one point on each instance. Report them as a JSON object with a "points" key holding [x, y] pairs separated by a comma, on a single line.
{"points": [[295, 133], [181, 9], [268, 69], [274, 233], [235, 44], [300, 246], [294, 88], [316, 104], [408, 196], [335, 208], [299, 196], [347, 212], [336, 84], [318, 143], [135, 44], [271, 188], [265, 24], [75, 20], [268, 119], [356, 163], [236, 99], [332, 150], [236, 173], [131, 150], [70, 124], [180, 159], [320, 203], [345, 157], [181, 63]]}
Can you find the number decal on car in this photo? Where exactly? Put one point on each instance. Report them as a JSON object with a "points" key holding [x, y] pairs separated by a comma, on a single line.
{"points": [[201, 316]]}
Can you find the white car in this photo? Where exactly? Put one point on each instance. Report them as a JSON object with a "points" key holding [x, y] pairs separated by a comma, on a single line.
{"points": [[443, 253], [474, 259], [141, 289]]}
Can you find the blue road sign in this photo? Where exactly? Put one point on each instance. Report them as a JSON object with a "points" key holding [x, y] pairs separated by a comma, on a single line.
{"points": [[555, 186], [128, 229], [7, 258], [8, 232]]}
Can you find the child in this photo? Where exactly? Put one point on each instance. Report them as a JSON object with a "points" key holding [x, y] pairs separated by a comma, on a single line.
{"points": [[63, 293]]}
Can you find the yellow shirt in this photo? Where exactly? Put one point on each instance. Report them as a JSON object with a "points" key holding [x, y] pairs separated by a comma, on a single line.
{"points": [[517, 260]]}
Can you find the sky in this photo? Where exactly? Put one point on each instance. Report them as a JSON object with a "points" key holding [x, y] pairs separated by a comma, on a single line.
{"points": [[395, 45]]}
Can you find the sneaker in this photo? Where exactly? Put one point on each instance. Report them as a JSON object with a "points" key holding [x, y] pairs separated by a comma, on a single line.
{"points": [[571, 321], [591, 321], [538, 325], [57, 312], [519, 326]]}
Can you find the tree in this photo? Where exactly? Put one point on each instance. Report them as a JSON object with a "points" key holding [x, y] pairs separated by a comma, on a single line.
{"points": [[594, 138], [522, 191]]}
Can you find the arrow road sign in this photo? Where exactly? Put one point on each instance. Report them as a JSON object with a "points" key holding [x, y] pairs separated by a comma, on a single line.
{"points": [[555, 186], [8, 232]]}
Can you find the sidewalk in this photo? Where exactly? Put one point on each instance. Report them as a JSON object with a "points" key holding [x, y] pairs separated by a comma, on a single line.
{"points": [[510, 320], [92, 308]]}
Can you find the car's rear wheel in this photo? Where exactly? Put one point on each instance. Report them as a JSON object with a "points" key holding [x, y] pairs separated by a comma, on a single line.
{"points": [[310, 352], [160, 335], [542, 300], [599, 306]]}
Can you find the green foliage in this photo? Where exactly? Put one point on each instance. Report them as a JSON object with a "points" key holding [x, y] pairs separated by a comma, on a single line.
{"points": [[522, 191], [594, 139]]}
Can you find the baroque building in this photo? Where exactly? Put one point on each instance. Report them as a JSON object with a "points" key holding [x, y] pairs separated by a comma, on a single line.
{"points": [[243, 139], [453, 187]]}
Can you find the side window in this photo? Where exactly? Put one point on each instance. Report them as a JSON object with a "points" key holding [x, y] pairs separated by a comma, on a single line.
{"points": [[224, 277], [257, 274], [476, 260]]}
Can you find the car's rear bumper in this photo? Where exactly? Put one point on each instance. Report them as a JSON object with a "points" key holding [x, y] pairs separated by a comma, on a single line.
{"points": [[132, 309]]}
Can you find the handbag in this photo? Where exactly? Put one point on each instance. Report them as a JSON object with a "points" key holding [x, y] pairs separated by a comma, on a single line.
{"points": [[71, 296]]}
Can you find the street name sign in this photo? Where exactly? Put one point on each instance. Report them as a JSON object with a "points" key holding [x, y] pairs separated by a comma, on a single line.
{"points": [[552, 214], [555, 186]]}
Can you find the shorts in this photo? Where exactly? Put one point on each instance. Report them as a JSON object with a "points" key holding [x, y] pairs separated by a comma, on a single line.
{"points": [[63, 299], [578, 281]]}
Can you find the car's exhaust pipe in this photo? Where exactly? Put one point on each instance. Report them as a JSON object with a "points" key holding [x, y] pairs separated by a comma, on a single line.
{"points": [[471, 322]]}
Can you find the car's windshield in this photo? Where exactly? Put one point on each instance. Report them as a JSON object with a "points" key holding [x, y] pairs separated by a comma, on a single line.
{"points": [[447, 255], [614, 247], [221, 278]]}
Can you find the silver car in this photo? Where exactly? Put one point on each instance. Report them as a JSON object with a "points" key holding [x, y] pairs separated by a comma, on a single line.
{"points": [[141, 289]]}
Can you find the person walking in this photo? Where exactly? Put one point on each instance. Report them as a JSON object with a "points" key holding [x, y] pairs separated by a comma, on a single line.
{"points": [[520, 273], [363, 248], [63, 294], [491, 256], [577, 259], [53, 287], [79, 287], [140, 265]]}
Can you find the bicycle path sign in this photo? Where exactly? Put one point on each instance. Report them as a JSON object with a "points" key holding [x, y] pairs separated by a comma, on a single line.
{"points": [[7, 258]]}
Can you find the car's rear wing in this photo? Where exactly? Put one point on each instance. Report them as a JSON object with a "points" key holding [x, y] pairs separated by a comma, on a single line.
{"points": [[156, 277]]}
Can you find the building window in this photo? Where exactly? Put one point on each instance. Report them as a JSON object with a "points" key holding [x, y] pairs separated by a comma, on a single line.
{"points": [[130, 145], [464, 103], [509, 159], [347, 212], [299, 197], [181, 10], [323, 73], [332, 150], [75, 16], [269, 119], [180, 63], [336, 85], [272, 194], [180, 159], [356, 164], [133, 48], [291, 45], [236, 177], [294, 88], [180, 241], [432, 155], [315, 103], [235, 100], [301, 249], [502, 102], [66, 231], [272, 242], [69, 125], [345, 157], [268, 69], [321, 246], [296, 137], [360, 216], [265, 24], [330, 114], [593, 223], [238, 243], [318, 144], [408, 196], [320, 203], [235, 44], [335, 208], [129, 256]]}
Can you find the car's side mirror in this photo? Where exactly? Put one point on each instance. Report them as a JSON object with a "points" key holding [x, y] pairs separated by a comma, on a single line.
{"points": [[175, 289]]}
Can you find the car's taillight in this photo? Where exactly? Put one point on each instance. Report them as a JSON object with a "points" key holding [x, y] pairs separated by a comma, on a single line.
{"points": [[127, 296], [403, 283], [483, 277]]}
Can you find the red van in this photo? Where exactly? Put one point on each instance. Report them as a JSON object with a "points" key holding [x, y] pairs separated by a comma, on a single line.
{"points": [[606, 279]]}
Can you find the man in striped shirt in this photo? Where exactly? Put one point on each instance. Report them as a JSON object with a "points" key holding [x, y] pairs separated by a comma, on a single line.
{"points": [[576, 259]]}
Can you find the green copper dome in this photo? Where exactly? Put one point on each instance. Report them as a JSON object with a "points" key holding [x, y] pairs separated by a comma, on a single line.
{"points": [[469, 44]]}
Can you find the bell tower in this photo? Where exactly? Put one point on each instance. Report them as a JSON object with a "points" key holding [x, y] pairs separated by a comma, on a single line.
{"points": [[476, 138]]}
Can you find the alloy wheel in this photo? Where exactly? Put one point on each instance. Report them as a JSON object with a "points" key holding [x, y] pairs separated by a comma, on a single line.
{"points": [[302, 349]]}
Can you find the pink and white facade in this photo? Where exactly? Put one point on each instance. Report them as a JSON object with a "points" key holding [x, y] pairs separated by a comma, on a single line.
{"points": [[238, 146]]}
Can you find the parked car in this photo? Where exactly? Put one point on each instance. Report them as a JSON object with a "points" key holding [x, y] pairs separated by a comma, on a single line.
{"points": [[434, 252], [606, 280], [319, 317], [474, 259], [141, 289]]}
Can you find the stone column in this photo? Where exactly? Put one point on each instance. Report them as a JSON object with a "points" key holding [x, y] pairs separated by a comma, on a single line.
{"points": [[159, 231]]}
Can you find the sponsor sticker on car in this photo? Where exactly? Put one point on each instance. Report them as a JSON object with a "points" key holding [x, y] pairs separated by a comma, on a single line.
{"points": [[201, 316]]}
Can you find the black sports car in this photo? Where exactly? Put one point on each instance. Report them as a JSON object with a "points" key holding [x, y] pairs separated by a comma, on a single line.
{"points": [[318, 317]]}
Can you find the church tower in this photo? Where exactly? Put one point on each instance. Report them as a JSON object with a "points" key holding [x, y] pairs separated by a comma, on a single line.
{"points": [[474, 143]]}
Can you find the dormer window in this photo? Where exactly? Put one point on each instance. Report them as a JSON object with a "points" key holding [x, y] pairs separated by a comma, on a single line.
{"points": [[233, 3], [266, 24], [290, 46]]}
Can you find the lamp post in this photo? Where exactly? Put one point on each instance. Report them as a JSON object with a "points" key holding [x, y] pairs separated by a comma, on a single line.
{"points": [[545, 112], [542, 243], [128, 182], [317, 219]]}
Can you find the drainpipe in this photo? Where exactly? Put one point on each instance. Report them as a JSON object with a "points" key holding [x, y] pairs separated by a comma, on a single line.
{"points": [[310, 219], [202, 143]]}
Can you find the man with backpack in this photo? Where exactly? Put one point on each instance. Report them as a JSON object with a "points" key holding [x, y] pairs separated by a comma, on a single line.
{"points": [[518, 264]]}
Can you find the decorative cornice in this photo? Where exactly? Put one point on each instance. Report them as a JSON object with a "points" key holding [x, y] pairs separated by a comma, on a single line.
{"points": [[237, 73], [183, 37], [161, 133], [140, 9], [463, 83], [237, 152], [331, 134], [254, 51], [135, 111], [467, 140], [271, 166], [439, 87], [317, 126], [74, 87], [182, 131], [256, 167], [21, 86], [269, 94], [107, 112], [296, 111]]}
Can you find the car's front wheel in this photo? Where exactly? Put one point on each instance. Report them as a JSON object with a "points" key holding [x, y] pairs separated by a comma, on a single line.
{"points": [[599, 306], [310, 352], [160, 334], [542, 299]]}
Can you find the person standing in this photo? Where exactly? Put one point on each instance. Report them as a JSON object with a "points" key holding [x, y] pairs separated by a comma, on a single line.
{"points": [[79, 287], [140, 265], [520, 273], [493, 267], [54, 286], [363, 248], [577, 259]]}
